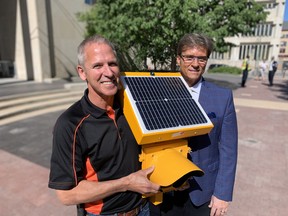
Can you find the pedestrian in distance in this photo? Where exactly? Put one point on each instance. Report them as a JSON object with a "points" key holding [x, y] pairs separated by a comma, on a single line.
{"points": [[272, 70], [263, 68], [215, 153], [245, 69], [94, 162]]}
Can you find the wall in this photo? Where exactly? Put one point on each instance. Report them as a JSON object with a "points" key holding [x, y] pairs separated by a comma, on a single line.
{"points": [[68, 32]]}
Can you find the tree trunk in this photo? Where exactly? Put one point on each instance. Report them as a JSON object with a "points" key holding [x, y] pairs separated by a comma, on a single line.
{"points": [[173, 63], [173, 57]]}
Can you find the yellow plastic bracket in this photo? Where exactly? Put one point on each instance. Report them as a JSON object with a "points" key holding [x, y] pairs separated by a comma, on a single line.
{"points": [[171, 166]]}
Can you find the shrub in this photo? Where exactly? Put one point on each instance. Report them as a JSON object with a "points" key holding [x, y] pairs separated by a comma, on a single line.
{"points": [[225, 69]]}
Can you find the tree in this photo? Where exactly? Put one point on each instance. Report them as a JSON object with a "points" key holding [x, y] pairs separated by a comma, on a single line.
{"points": [[151, 28]]}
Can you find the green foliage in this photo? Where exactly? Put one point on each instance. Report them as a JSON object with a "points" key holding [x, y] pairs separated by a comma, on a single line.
{"points": [[226, 69], [151, 28]]}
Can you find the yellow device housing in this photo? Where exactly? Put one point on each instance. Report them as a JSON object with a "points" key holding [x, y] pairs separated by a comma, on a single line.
{"points": [[167, 149]]}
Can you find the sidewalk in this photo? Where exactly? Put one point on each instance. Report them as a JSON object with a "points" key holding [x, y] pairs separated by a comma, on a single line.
{"points": [[261, 181]]}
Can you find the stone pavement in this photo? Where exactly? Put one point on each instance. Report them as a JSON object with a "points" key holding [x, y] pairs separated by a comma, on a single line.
{"points": [[262, 172], [261, 181]]}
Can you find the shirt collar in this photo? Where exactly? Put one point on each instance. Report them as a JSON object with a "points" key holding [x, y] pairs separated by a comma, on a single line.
{"points": [[197, 87], [95, 111]]}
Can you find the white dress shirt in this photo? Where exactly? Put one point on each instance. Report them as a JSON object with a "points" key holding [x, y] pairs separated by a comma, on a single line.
{"points": [[196, 90]]}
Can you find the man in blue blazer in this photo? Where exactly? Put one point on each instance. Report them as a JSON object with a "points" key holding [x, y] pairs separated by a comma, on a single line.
{"points": [[215, 153]]}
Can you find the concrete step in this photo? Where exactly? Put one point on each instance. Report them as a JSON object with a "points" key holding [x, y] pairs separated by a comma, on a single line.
{"points": [[21, 106]]}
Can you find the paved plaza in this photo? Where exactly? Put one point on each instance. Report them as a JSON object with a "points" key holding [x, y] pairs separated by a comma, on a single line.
{"points": [[262, 172]]}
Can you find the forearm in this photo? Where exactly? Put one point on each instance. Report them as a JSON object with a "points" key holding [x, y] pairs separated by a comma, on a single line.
{"points": [[89, 191]]}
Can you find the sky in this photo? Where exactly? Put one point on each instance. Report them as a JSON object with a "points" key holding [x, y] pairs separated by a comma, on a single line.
{"points": [[286, 12]]}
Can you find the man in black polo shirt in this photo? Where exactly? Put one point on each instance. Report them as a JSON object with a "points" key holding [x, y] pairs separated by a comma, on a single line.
{"points": [[94, 162]]}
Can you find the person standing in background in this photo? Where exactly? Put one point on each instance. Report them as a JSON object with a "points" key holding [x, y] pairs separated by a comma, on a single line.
{"points": [[215, 153], [245, 69], [263, 67], [272, 70]]}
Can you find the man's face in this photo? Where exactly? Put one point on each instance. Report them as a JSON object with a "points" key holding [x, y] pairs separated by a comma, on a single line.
{"points": [[100, 70], [192, 64]]}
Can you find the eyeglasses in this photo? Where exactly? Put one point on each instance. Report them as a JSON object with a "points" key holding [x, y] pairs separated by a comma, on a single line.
{"points": [[188, 59]]}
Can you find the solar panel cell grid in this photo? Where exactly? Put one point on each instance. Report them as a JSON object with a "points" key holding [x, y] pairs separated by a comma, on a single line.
{"points": [[153, 88], [164, 102]]}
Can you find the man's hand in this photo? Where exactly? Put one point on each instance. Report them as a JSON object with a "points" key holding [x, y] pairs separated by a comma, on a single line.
{"points": [[139, 182], [218, 207]]}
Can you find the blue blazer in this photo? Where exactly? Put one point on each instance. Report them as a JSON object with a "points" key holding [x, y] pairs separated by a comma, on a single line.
{"points": [[215, 153]]}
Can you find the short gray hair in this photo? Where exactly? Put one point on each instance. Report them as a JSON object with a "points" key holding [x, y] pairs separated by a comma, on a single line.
{"points": [[92, 39]]}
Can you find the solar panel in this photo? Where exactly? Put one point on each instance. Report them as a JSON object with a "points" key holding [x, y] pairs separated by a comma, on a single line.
{"points": [[163, 103]]}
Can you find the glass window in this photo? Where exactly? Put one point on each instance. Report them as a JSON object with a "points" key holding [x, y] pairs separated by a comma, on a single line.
{"points": [[256, 51]]}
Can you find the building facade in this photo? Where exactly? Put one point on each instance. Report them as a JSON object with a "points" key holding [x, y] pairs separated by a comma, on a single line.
{"points": [[283, 52], [42, 38], [263, 44]]}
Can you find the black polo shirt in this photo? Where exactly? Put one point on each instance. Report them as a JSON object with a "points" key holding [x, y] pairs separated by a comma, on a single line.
{"points": [[88, 144]]}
